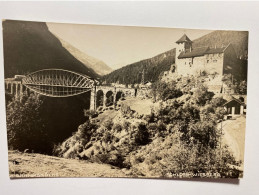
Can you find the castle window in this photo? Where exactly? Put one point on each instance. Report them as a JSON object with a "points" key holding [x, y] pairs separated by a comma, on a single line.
{"points": [[214, 61], [208, 61]]}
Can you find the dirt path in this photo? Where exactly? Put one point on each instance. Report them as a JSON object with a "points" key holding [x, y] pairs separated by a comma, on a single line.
{"points": [[38, 165], [141, 106], [234, 136]]}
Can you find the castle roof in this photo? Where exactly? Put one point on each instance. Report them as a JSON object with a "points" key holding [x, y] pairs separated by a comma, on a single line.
{"points": [[216, 50], [234, 99], [200, 51], [184, 38]]}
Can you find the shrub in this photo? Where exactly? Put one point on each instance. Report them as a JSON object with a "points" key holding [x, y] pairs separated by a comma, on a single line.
{"points": [[164, 91], [201, 95], [204, 132], [117, 127], [115, 158], [126, 125], [108, 124], [142, 135], [107, 137], [218, 101], [90, 114], [126, 110], [241, 88], [25, 127], [220, 112], [204, 73]]}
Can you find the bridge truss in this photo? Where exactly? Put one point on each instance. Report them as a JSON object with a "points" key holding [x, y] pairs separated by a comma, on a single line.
{"points": [[58, 82]]}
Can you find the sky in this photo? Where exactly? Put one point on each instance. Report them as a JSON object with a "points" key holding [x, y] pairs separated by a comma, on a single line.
{"points": [[118, 46]]}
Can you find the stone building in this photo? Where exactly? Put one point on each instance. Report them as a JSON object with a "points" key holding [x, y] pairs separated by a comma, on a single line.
{"points": [[204, 60]]}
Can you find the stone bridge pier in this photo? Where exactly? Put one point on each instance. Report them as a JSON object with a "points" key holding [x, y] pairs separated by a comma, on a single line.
{"points": [[14, 87]]}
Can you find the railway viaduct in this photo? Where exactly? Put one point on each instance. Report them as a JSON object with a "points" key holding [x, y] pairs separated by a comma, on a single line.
{"points": [[64, 83]]}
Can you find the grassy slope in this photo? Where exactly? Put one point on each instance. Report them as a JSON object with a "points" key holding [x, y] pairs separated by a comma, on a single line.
{"points": [[38, 165]]}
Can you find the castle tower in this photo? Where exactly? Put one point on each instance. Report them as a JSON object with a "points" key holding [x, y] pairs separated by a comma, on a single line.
{"points": [[184, 44]]}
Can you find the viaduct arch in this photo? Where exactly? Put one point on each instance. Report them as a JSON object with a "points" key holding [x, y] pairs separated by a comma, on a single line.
{"points": [[108, 95]]}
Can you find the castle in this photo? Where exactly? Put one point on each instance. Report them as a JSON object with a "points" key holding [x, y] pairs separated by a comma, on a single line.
{"points": [[211, 64], [204, 60]]}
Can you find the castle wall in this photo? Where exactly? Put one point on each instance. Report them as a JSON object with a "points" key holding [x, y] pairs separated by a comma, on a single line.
{"points": [[214, 63], [190, 66], [198, 65], [210, 63]]}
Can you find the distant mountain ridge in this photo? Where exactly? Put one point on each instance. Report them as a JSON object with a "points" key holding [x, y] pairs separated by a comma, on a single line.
{"points": [[154, 66], [30, 46], [219, 38], [90, 62]]}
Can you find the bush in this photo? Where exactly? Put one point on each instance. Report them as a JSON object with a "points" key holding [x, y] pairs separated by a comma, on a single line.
{"points": [[117, 127], [197, 159], [142, 135], [201, 95], [164, 91], [218, 101], [115, 158], [241, 88], [108, 124], [126, 110], [107, 137], [126, 125], [25, 128], [90, 114]]}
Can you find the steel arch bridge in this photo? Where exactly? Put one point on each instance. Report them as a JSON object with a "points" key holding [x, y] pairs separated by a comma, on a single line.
{"points": [[58, 82]]}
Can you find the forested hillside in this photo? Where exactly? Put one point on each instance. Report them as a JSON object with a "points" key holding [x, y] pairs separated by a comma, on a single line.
{"points": [[30, 46], [132, 73], [154, 66]]}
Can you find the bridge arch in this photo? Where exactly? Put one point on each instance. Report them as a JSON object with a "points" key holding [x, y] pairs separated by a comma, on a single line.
{"points": [[109, 98], [119, 95], [99, 98], [58, 82]]}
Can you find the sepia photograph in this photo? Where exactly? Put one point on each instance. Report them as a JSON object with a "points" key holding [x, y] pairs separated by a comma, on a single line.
{"points": [[85, 100]]}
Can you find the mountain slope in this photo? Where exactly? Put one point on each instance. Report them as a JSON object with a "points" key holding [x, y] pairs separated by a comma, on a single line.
{"points": [[239, 40], [132, 73], [90, 62], [156, 65], [30, 46]]}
